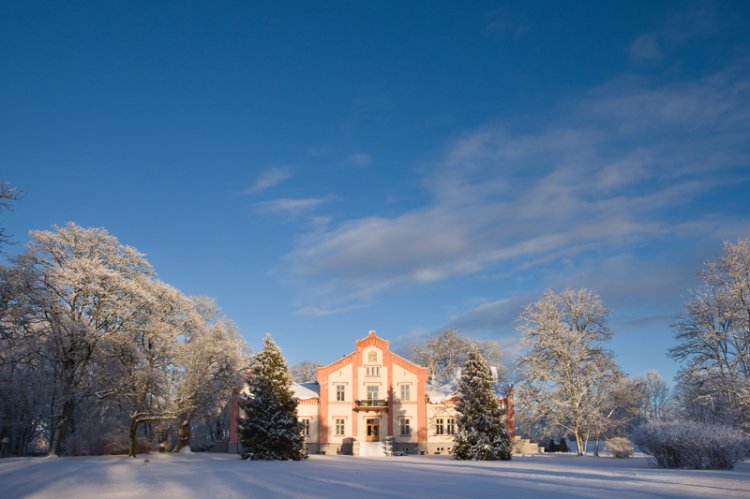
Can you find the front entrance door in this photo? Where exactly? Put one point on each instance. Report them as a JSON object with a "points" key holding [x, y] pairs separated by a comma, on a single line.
{"points": [[373, 430]]}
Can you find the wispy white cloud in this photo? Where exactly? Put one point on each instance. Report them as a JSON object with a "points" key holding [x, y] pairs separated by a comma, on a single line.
{"points": [[646, 48], [359, 159], [506, 21], [268, 179], [322, 312], [610, 171], [289, 206], [695, 21]]}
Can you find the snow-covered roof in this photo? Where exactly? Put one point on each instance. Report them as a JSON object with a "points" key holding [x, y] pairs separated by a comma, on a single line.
{"points": [[305, 391], [442, 392]]}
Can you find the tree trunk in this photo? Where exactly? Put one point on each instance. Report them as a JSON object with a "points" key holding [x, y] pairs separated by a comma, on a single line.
{"points": [[133, 433], [579, 442], [183, 433], [596, 447], [62, 427], [163, 437]]}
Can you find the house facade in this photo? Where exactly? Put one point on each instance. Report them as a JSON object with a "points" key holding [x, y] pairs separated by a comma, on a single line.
{"points": [[369, 395]]}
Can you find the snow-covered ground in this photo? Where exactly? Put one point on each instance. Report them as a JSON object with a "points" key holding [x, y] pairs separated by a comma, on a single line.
{"points": [[222, 476]]}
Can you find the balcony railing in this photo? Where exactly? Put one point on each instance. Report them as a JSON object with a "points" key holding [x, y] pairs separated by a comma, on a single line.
{"points": [[372, 403]]}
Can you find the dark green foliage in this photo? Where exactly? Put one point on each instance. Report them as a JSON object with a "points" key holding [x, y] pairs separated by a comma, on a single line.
{"points": [[270, 429], [482, 434]]}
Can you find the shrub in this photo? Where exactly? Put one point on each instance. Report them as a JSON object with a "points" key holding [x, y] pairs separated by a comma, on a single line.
{"points": [[692, 445], [552, 447], [563, 447], [620, 447]]}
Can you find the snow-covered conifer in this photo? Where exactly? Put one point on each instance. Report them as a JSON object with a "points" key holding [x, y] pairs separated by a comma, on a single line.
{"points": [[270, 429], [482, 434]]}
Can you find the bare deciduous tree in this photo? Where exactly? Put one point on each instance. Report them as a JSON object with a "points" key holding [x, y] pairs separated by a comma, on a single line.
{"points": [[656, 404], [8, 194], [305, 372], [211, 361], [565, 362], [98, 289], [93, 347], [616, 408], [445, 353], [713, 340]]}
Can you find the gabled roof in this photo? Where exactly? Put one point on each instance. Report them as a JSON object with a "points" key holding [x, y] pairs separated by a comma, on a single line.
{"points": [[372, 339]]}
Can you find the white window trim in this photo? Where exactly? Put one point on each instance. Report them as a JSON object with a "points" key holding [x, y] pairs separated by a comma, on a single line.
{"points": [[401, 391]]}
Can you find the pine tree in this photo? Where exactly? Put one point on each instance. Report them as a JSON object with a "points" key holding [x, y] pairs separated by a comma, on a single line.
{"points": [[482, 434], [270, 429]]}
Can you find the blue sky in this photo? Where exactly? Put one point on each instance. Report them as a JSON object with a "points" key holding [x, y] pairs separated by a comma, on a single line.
{"points": [[328, 168]]}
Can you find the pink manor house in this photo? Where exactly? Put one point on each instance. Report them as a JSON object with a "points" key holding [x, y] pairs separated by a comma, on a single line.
{"points": [[372, 402]]}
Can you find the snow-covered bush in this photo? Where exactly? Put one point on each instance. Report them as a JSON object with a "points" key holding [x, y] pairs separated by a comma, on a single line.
{"points": [[620, 447], [692, 445]]}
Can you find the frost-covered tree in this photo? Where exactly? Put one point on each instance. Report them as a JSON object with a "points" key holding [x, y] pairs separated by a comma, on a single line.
{"points": [[94, 348], [8, 194], [443, 354], [270, 429], [305, 372], [145, 386], [713, 341], [482, 434], [27, 377], [564, 363], [98, 289], [210, 363], [617, 408], [656, 404]]}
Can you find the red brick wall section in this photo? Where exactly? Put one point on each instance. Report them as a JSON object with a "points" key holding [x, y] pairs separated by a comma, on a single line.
{"points": [[511, 413], [234, 417]]}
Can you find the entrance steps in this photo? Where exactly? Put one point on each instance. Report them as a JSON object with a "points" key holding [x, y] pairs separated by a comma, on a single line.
{"points": [[526, 446], [371, 449]]}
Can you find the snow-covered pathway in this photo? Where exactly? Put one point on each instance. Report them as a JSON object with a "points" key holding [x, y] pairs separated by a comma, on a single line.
{"points": [[224, 476]]}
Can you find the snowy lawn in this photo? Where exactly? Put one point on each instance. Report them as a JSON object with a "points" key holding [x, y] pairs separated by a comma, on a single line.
{"points": [[219, 476]]}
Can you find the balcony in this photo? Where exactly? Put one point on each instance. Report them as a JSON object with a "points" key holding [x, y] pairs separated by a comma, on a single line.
{"points": [[371, 405]]}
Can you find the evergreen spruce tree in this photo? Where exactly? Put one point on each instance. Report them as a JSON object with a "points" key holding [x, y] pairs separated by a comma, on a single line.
{"points": [[482, 434], [270, 429]]}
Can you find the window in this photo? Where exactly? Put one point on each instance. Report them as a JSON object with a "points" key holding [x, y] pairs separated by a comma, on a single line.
{"points": [[373, 370], [405, 392], [306, 427], [372, 357], [372, 392], [340, 393], [439, 428], [339, 427], [450, 426], [405, 427]]}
